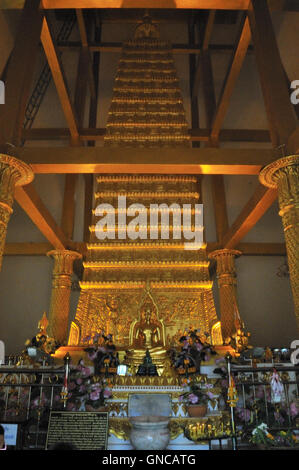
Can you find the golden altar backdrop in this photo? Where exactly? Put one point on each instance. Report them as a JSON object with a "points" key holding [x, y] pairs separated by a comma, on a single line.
{"points": [[146, 110]]}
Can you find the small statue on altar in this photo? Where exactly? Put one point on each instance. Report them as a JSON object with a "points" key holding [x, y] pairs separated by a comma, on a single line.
{"points": [[42, 340], [239, 341], [146, 29], [194, 350], [40, 347], [147, 367], [268, 355], [103, 354], [147, 333]]}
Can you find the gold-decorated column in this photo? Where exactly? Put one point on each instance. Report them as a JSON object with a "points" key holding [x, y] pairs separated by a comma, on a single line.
{"points": [[13, 172], [61, 291], [227, 282], [283, 174]]}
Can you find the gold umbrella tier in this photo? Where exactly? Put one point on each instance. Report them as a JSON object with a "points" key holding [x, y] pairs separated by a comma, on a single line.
{"points": [[145, 264], [91, 285]]}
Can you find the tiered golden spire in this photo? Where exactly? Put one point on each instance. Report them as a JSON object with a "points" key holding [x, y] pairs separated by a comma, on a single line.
{"points": [[147, 105], [146, 110]]}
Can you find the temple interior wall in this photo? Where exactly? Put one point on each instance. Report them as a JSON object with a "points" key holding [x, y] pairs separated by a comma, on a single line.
{"points": [[265, 300]]}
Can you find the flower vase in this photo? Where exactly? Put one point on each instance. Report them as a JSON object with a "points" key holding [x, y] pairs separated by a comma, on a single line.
{"points": [[197, 411]]}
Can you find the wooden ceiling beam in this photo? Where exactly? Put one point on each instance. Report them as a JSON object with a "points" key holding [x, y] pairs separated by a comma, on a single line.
{"points": [[262, 249], [281, 115], [286, 5], [235, 66], [93, 112], [255, 208], [59, 79], [207, 85], [69, 201], [204, 48], [41, 249], [27, 249], [192, 77], [280, 112], [177, 160], [32, 204], [93, 134], [116, 47], [86, 52], [19, 73], [69, 205], [162, 4]]}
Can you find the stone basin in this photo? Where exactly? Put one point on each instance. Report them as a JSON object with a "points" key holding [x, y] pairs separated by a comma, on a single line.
{"points": [[149, 432]]}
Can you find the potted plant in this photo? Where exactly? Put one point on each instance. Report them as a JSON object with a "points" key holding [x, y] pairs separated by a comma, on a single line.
{"points": [[286, 439], [261, 437], [196, 399]]}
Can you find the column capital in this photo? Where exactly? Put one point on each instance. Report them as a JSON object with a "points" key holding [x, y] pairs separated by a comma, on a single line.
{"points": [[225, 263], [224, 252], [13, 172], [21, 172], [270, 174], [63, 261]]}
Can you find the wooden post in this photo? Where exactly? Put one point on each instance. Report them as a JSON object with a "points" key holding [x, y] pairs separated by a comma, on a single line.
{"points": [[280, 111], [19, 75]]}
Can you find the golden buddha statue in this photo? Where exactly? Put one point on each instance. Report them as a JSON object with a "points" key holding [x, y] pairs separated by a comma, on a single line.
{"points": [[147, 333]]}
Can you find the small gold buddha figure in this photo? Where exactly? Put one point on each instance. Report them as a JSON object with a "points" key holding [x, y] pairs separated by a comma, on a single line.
{"points": [[147, 333]]}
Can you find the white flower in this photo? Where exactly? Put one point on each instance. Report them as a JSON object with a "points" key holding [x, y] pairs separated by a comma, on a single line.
{"points": [[262, 427]]}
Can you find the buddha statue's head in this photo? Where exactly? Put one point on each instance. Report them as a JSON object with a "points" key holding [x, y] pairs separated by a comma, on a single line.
{"points": [[148, 314]]}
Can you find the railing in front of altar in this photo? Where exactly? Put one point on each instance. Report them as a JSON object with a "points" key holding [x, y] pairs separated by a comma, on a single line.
{"points": [[27, 396], [256, 403]]}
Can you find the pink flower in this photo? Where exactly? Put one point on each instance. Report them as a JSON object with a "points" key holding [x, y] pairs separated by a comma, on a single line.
{"points": [[96, 386], [211, 395], [243, 414], [293, 409], [107, 393], [85, 371], [79, 381], [95, 395], [193, 398]]}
